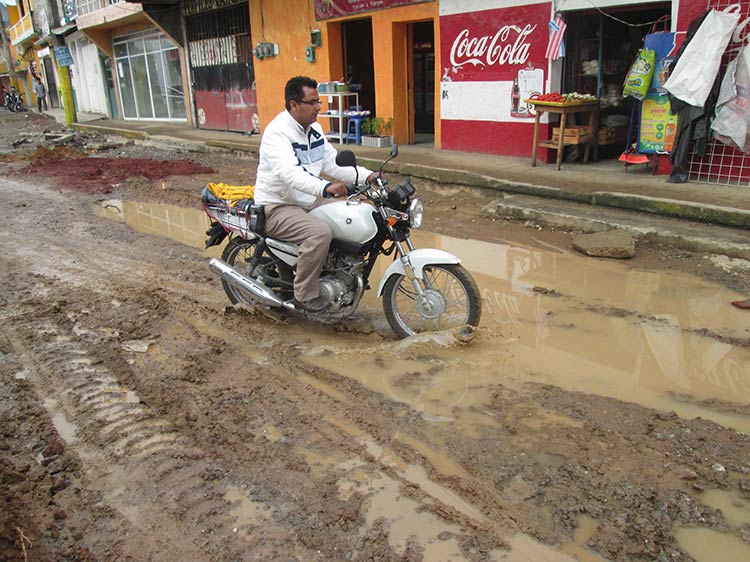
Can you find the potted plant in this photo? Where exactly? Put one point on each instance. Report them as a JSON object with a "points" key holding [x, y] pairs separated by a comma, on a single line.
{"points": [[371, 129]]}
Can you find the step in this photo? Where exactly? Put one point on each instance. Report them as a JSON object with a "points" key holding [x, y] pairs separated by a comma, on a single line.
{"points": [[682, 234]]}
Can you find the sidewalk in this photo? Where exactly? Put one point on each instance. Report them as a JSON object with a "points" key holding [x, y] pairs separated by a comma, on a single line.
{"points": [[603, 184]]}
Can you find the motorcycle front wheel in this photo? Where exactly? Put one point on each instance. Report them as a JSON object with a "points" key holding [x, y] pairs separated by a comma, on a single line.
{"points": [[450, 301], [17, 106], [238, 254]]}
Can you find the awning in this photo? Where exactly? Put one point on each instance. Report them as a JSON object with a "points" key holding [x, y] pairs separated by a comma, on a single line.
{"points": [[64, 29]]}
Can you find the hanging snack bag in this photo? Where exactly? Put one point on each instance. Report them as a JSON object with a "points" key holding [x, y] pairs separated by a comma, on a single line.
{"points": [[639, 76]]}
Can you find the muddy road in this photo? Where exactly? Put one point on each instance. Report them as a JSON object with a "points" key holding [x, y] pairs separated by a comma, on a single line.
{"points": [[601, 413]]}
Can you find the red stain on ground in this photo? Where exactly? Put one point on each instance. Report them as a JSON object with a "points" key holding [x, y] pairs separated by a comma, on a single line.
{"points": [[100, 175]]}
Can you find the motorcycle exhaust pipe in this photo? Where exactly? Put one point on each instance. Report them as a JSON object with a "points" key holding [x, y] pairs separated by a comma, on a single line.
{"points": [[234, 277]]}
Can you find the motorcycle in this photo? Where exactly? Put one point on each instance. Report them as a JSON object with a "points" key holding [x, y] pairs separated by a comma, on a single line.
{"points": [[14, 100], [422, 290]]}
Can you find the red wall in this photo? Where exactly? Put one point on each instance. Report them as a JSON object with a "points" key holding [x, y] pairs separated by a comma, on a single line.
{"points": [[492, 46]]}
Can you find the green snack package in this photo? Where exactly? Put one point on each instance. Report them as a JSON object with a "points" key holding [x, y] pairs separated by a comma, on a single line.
{"points": [[639, 76]]}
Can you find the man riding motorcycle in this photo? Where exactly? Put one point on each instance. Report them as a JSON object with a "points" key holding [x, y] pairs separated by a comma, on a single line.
{"points": [[294, 152]]}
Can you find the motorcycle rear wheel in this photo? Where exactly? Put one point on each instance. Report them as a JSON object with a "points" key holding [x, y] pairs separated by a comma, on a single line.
{"points": [[237, 254], [453, 301]]}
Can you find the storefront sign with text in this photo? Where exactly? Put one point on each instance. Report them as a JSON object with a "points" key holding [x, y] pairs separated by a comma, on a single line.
{"points": [[658, 125], [325, 9], [493, 44]]}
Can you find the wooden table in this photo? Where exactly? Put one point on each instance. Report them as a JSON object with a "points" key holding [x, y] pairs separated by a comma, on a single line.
{"points": [[591, 108]]}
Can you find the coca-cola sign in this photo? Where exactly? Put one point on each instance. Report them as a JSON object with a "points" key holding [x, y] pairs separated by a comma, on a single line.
{"points": [[507, 46], [493, 44]]}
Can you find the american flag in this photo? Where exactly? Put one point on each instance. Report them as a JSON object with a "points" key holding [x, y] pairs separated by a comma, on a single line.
{"points": [[556, 46]]}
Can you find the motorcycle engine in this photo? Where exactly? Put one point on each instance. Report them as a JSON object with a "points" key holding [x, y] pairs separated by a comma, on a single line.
{"points": [[334, 291], [339, 286]]}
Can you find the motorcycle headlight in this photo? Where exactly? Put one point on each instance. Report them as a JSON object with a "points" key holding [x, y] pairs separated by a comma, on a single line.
{"points": [[416, 210]]}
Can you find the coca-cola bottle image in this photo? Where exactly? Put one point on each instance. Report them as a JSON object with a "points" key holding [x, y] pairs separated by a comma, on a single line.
{"points": [[515, 98]]}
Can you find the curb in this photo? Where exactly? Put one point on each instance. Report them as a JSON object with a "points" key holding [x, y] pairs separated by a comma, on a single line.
{"points": [[708, 214], [693, 241], [137, 135]]}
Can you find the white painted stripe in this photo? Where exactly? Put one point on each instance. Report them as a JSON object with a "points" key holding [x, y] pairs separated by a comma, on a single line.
{"points": [[478, 101], [450, 7]]}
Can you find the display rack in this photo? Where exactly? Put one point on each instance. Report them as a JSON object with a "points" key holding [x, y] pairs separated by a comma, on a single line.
{"points": [[337, 112], [585, 135]]}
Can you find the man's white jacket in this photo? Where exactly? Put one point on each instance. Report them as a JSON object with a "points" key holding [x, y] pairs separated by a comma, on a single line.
{"points": [[292, 161]]}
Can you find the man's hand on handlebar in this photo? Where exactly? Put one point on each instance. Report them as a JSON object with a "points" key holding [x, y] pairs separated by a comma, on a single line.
{"points": [[339, 189], [336, 189]]}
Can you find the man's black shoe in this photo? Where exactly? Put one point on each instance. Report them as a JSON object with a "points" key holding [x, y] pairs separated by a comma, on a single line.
{"points": [[312, 306]]}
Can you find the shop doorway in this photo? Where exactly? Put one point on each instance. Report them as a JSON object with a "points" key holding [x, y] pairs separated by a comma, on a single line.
{"points": [[221, 65], [49, 74], [423, 65], [109, 84], [601, 49], [359, 69]]}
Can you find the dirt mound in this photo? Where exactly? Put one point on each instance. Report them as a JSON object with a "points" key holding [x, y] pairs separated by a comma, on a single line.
{"points": [[101, 175], [42, 153]]}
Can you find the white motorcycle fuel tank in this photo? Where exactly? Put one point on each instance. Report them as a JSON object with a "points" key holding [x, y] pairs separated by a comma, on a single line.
{"points": [[350, 220]]}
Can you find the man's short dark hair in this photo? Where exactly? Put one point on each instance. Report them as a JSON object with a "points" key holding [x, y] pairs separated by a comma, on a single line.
{"points": [[293, 89]]}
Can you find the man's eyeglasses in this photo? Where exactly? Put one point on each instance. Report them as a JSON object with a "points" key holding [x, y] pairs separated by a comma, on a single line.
{"points": [[310, 102]]}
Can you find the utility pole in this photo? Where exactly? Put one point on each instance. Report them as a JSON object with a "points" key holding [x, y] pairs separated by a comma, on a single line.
{"points": [[66, 88], [63, 72]]}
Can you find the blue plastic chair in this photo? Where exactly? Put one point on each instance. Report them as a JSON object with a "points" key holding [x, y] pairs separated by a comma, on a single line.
{"points": [[354, 129]]}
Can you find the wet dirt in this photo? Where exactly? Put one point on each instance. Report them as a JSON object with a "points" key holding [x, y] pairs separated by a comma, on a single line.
{"points": [[102, 175], [593, 417]]}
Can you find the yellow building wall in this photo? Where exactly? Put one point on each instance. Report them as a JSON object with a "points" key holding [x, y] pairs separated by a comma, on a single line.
{"points": [[288, 23]]}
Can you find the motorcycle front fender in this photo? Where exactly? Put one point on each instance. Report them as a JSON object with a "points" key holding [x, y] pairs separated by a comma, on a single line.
{"points": [[418, 259]]}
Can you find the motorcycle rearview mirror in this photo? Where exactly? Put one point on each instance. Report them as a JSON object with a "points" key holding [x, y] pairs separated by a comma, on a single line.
{"points": [[346, 158], [391, 156]]}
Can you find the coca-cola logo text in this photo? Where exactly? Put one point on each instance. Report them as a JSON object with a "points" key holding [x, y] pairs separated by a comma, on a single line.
{"points": [[507, 46]]}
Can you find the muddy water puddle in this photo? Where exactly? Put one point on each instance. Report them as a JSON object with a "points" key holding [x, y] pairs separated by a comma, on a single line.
{"points": [[707, 545], [662, 339]]}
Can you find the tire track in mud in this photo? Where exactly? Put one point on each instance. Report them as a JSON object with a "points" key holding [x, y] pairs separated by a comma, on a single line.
{"points": [[136, 441], [352, 426], [128, 445]]}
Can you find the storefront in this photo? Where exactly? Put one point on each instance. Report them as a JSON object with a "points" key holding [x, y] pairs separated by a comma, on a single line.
{"points": [[221, 64], [495, 56], [387, 49], [149, 77], [495, 53], [601, 47]]}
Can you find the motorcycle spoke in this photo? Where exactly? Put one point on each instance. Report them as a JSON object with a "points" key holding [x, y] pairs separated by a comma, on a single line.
{"points": [[450, 290], [408, 293]]}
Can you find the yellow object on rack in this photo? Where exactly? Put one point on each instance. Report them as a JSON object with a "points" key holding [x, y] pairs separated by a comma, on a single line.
{"points": [[232, 193]]}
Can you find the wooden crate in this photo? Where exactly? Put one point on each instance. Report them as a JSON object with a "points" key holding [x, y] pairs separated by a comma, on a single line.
{"points": [[575, 134]]}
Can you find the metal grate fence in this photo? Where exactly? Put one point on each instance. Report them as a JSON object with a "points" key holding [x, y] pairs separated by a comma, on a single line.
{"points": [[724, 165]]}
